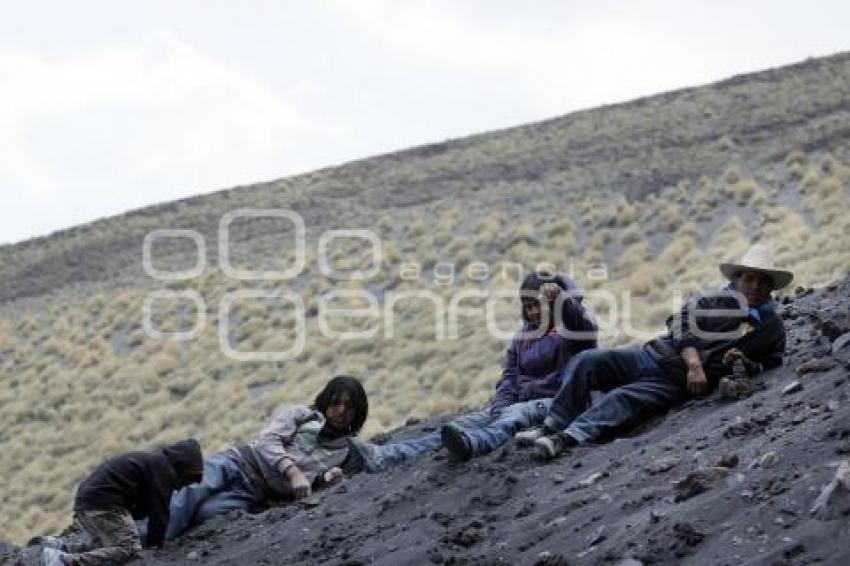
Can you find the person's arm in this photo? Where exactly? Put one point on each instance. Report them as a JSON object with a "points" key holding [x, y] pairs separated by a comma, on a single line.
{"points": [[775, 352], [160, 484], [577, 319], [771, 342], [704, 318], [506, 391], [697, 382], [272, 443], [545, 386], [158, 517], [298, 482]]}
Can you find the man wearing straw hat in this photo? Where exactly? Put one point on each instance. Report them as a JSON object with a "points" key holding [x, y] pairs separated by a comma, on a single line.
{"points": [[711, 332]]}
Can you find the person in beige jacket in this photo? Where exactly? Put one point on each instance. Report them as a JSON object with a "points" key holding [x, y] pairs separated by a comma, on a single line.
{"points": [[303, 448]]}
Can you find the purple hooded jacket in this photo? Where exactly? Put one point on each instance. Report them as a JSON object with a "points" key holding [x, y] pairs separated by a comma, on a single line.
{"points": [[533, 366]]}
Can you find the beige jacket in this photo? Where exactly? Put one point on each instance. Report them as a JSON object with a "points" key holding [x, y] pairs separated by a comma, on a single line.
{"points": [[292, 438]]}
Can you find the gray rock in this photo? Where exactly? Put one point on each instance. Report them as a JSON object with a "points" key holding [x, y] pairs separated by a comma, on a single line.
{"points": [[193, 556], [815, 366], [597, 536], [768, 460], [841, 342], [592, 479], [793, 387], [662, 465], [728, 461], [834, 499], [699, 481]]}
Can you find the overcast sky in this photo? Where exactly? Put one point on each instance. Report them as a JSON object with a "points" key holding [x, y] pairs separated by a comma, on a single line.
{"points": [[109, 106]]}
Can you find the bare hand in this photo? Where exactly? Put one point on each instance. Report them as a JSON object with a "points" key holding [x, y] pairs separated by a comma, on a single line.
{"points": [[697, 382], [731, 356], [332, 476], [549, 292], [300, 485]]}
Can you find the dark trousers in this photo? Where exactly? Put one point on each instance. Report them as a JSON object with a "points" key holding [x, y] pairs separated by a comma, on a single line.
{"points": [[635, 387]]}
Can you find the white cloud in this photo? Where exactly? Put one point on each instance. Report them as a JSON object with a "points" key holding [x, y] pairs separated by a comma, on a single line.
{"points": [[91, 133], [92, 124]]}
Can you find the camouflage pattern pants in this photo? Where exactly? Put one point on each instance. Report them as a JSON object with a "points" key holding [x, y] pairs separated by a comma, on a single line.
{"points": [[114, 538]]}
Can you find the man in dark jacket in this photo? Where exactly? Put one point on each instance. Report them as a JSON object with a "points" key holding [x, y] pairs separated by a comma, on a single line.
{"points": [[709, 334], [130, 486]]}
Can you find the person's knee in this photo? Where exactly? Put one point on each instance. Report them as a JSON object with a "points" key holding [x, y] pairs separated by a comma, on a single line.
{"points": [[586, 362]]}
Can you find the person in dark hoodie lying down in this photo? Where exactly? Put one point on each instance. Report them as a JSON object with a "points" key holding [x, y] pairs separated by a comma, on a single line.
{"points": [[127, 487], [710, 333], [303, 448], [536, 356]]}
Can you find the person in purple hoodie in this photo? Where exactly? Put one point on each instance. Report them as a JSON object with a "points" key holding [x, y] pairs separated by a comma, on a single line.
{"points": [[555, 327]]}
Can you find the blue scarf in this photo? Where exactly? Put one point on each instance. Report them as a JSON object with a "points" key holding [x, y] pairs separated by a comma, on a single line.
{"points": [[756, 312]]}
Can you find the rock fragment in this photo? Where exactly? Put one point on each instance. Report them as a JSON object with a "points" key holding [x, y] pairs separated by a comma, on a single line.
{"points": [[841, 342], [592, 479], [662, 465], [597, 536], [834, 499], [793, 387], [816, 365], [768, 460], [699, 481]]}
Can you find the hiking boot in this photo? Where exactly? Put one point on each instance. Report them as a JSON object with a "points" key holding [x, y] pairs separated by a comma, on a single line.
{"points": [[551, 445], [53, 542], [526, 438], [456, 442], [52, 557]]}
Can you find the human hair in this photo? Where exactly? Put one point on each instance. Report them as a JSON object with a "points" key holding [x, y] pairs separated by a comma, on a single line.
{"points": [[530, 286], [335, 389]]}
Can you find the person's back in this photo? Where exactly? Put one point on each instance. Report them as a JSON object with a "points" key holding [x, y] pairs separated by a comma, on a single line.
{"points": [[128, 487]]}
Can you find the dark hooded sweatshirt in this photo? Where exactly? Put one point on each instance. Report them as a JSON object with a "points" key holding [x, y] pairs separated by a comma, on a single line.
{"points": [[714, 323], [141, 483], [533, 366]]}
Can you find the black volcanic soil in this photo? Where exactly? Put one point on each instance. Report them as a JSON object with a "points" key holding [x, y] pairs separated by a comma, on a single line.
{"points": [[774, 450]]}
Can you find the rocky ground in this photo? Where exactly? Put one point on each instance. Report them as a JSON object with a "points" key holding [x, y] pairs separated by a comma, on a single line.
{"points": [[761, 480]]}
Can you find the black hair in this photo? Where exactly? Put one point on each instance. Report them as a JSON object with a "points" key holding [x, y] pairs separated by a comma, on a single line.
{"points": [[531, 286], [334, 390]]}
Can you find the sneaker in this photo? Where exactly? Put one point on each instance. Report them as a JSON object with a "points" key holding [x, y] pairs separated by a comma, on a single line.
{"points": [[52, 557], [551, 445], [53, 542], [456, 442], [526, 438]]}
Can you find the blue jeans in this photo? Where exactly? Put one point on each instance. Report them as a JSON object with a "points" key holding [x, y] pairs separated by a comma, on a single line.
{"points": [[635, 386], [386, 456], [487, 435], [225, 487], [486, 432]]}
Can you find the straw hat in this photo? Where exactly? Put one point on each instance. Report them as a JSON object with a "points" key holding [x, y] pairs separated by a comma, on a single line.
{"points": [[759, 259]]}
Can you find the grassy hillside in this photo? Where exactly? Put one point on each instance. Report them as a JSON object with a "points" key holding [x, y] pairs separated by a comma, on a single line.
{"points": [[658, 190]]}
